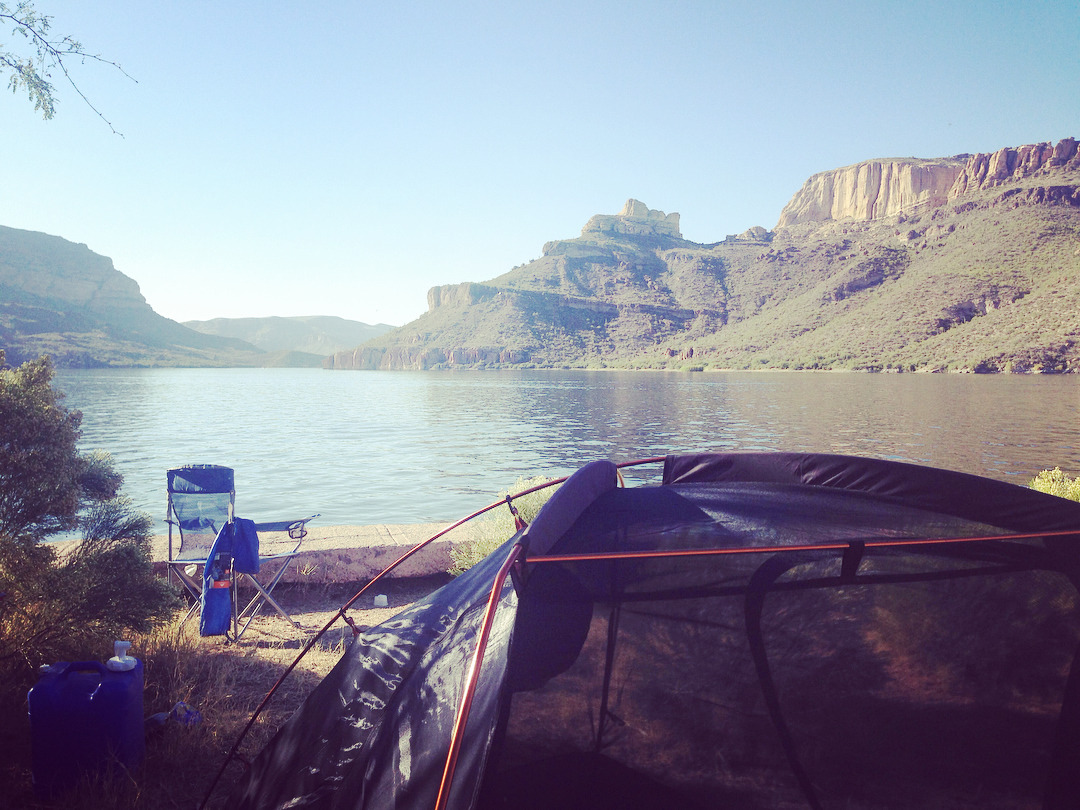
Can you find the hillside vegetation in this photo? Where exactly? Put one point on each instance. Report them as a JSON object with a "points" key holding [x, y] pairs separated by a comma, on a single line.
{"points": [[975, 266]]}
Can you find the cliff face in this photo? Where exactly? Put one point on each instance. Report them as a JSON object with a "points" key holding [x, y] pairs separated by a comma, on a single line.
{"points": [[450, 295], [49, 268], [872, 190], [876, 189]]}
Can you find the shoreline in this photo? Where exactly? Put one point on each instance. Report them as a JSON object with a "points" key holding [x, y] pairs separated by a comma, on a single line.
{"points": [[334, 554]]}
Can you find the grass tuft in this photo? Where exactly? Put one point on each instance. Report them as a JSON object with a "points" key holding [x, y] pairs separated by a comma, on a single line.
{"points": [[496, 527]]}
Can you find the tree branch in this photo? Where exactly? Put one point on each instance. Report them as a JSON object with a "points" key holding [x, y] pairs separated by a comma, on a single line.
{"points": [[34, 73]]}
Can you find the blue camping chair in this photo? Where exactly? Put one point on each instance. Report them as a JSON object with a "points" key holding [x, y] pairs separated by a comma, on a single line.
{"points": [[211, 550]]}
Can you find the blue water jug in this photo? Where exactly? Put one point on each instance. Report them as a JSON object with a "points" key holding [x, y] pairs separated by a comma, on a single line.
{"points": [[86, 718]]}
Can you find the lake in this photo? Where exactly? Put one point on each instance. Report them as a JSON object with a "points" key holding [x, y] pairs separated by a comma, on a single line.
{"points": [[403, 447]]}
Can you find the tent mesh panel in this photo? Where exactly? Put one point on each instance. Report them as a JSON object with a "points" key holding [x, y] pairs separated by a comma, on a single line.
{"points": [[940, 693]]}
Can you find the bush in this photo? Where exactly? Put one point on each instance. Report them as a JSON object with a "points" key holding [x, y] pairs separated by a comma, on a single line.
{"points": [[497, 526], [1055, 482], [40, 467], [64, 601]]}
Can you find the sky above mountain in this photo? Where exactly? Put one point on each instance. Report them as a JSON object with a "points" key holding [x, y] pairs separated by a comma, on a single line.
{"points": [[340, 158]]}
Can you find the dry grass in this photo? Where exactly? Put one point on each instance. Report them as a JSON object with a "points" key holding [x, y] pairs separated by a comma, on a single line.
{"points": [[224, 682]]}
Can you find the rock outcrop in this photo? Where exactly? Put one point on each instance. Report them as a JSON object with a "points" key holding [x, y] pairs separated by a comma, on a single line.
{"points": [[637, 219], [875, 189], [987, 170], [872, 190], [450, 295], [754, 234]]}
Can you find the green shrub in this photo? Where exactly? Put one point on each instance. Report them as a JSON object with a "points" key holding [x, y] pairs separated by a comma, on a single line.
{"points": [[64, 601], [494, 528], [1055, 482], [40, 467]]}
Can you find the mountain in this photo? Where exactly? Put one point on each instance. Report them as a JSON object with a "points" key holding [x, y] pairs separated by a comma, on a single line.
{"points": [[966, 263], [62, 299], [320, 335]]}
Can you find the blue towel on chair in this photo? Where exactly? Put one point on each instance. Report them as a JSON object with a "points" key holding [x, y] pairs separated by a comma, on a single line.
{"points": [[216, 599], [235, 551], [245, 546]]}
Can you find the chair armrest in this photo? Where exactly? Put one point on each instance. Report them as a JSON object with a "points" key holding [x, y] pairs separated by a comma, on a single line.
{"points": [[297, 529]]}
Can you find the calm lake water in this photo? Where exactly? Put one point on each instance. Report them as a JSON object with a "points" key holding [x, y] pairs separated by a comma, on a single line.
{"points": [[402, 447]]}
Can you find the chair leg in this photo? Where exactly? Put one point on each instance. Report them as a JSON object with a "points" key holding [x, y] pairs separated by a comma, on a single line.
{"points": [[190, 613], [262, 596], [194, 590], [193, 586]]}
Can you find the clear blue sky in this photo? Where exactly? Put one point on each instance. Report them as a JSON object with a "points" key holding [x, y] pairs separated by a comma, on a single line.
{"points": [[340, 158]]}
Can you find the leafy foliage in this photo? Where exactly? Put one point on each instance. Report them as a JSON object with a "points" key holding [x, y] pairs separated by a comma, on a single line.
{"points": [[497, 526], [1055, 482], [32, 69], [64, 603], [40, 468], [32, 72]]}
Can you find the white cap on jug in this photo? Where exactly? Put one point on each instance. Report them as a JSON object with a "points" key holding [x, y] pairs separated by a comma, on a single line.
{"points": [[121, 661]]}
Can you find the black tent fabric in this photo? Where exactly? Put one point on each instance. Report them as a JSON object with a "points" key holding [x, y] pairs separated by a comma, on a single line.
{"points": [[765, 630]]}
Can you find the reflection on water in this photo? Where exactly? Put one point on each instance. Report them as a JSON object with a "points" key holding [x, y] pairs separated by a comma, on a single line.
{"points": [[399, 447]]}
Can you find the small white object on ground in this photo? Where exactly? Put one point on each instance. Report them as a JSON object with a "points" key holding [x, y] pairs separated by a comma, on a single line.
{"points": [[381, 601]]}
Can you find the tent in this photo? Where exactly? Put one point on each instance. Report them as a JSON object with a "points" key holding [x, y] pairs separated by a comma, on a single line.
{"points": [[759, 630]]}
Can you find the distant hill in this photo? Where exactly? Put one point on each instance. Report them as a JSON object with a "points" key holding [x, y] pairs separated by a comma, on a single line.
{"points": [[967, 263], [62, 299], [320, 335]]}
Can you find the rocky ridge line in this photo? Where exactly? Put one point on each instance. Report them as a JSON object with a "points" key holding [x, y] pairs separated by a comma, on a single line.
{"points": [[876, 189]]}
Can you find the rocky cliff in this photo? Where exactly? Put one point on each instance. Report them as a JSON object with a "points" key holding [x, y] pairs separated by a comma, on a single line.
{"points": [[876, 189], [993, 169], [49, 268], [451, 295], [872, 190], [966, 263]]}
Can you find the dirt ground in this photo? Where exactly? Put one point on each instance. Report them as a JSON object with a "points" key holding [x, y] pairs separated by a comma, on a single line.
{"points": [[313, 606]]}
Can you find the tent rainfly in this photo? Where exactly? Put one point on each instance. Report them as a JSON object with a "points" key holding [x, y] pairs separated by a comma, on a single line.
{"points": [[760, 630]]}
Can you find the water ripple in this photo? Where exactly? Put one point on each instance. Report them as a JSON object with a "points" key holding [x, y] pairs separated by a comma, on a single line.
{"points": [[396, 447]]}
